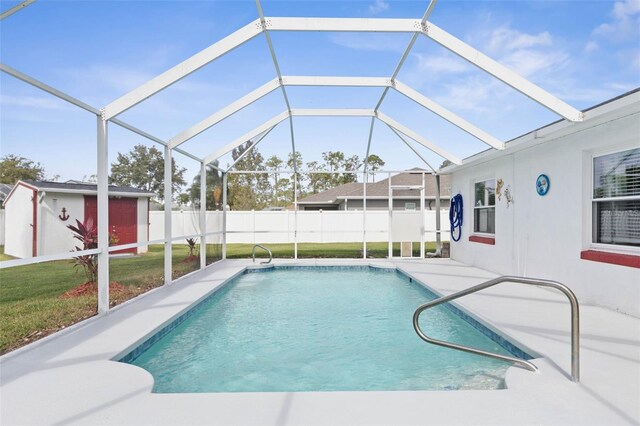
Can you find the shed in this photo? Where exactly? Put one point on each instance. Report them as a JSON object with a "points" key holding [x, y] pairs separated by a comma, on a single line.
{"points": [[37, 214]]}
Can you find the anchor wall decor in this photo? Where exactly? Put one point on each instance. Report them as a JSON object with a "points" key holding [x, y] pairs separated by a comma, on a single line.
{"points": [[64, 216]]}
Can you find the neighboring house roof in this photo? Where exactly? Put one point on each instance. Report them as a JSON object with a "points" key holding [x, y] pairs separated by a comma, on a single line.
{"points": [[78, 188], [5, 189], [380, 189]]}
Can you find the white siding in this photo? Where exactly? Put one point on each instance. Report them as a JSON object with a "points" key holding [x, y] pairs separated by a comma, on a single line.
{"points": [[543, 236]]}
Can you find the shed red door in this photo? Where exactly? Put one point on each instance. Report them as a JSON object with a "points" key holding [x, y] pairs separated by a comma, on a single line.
{"points": [[123, 219]]}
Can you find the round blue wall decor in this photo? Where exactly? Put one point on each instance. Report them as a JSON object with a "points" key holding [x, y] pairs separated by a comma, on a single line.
{"points": [[543, 184]]}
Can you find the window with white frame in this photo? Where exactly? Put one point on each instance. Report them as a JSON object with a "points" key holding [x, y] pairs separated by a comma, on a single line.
{"points": [[410, 206], [484, 208], [616, 198]]}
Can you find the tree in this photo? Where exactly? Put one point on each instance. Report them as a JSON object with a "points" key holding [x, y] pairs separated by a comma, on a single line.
{"points": [[274, 163], [248, 191], [445, 163], [336, 160], [214, 187], [14, 168], [375, 163], [143, 168]]}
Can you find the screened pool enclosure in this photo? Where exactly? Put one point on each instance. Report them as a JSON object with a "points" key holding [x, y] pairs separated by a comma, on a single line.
{"points": [[364, 223]]}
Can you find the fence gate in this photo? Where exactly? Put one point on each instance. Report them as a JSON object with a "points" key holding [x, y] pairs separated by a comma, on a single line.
{"points": [[406, 220]]}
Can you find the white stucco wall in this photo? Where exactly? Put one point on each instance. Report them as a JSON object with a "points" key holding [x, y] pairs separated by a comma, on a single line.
{"points": [[18, 220], [543, 236]]}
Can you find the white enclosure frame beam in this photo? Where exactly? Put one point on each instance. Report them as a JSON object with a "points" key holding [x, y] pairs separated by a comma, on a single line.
{"points": [[16, 8], [343, 24], [317, 81], [224, 113], [68, 98], [416, 137], [444, 113], [253, 145], [247, 136], [302, 80], [426, 15], [412, 148], [345, 112], [183, 69], [501, 72], [332, 112], [45, 87]]}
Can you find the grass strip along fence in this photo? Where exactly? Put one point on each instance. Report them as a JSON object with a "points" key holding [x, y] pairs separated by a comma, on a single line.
{"points": [[33, 305]]}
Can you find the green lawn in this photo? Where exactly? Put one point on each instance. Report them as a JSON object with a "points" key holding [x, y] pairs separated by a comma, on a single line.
{"points": [[31, 306], [30, 302]]}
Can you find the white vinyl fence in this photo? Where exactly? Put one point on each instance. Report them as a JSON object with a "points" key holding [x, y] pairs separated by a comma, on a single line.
{"points": [[313, 226]]}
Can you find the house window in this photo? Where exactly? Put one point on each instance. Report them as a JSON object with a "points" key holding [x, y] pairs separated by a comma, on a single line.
{"points": [[616, 199], [484, 209], [409, 206]]}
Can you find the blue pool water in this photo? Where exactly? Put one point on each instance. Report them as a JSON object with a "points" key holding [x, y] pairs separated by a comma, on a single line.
{"points": [[324, 329]]}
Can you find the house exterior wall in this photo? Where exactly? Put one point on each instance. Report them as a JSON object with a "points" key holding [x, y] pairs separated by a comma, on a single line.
{"points": [[18, 219], [543, 236]]}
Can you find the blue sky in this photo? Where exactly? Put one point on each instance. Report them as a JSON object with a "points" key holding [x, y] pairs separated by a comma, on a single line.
{"points": [[584, 52]]}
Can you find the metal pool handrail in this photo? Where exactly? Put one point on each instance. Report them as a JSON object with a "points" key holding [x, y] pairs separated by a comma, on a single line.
{"points": [[575, 321], [253, 254]]}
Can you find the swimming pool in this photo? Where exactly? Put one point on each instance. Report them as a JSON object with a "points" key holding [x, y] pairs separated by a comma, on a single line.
{"points": [[319, 329]]}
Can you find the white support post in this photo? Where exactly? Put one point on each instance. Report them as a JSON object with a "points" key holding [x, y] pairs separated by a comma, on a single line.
{"points": [[422, 225], [390, 202], [224, 214], [501, 72], [364, 214], [103, 215], [203, 215], [168, 243], [438, 227], [295, 214]]}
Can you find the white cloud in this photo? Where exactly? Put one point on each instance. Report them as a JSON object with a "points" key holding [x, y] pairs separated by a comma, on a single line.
{"points": [[378, 6], [625, 22], [39, 102], [371, 42], [591, 46], [507, 39], [528, 62], [441, 64]]}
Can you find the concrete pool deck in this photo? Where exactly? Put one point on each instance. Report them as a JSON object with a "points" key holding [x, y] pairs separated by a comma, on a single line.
{"points": [[69, 378]]}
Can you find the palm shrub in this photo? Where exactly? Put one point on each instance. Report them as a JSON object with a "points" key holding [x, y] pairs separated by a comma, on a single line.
{"points": [[87, 233], [191, 242]]}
